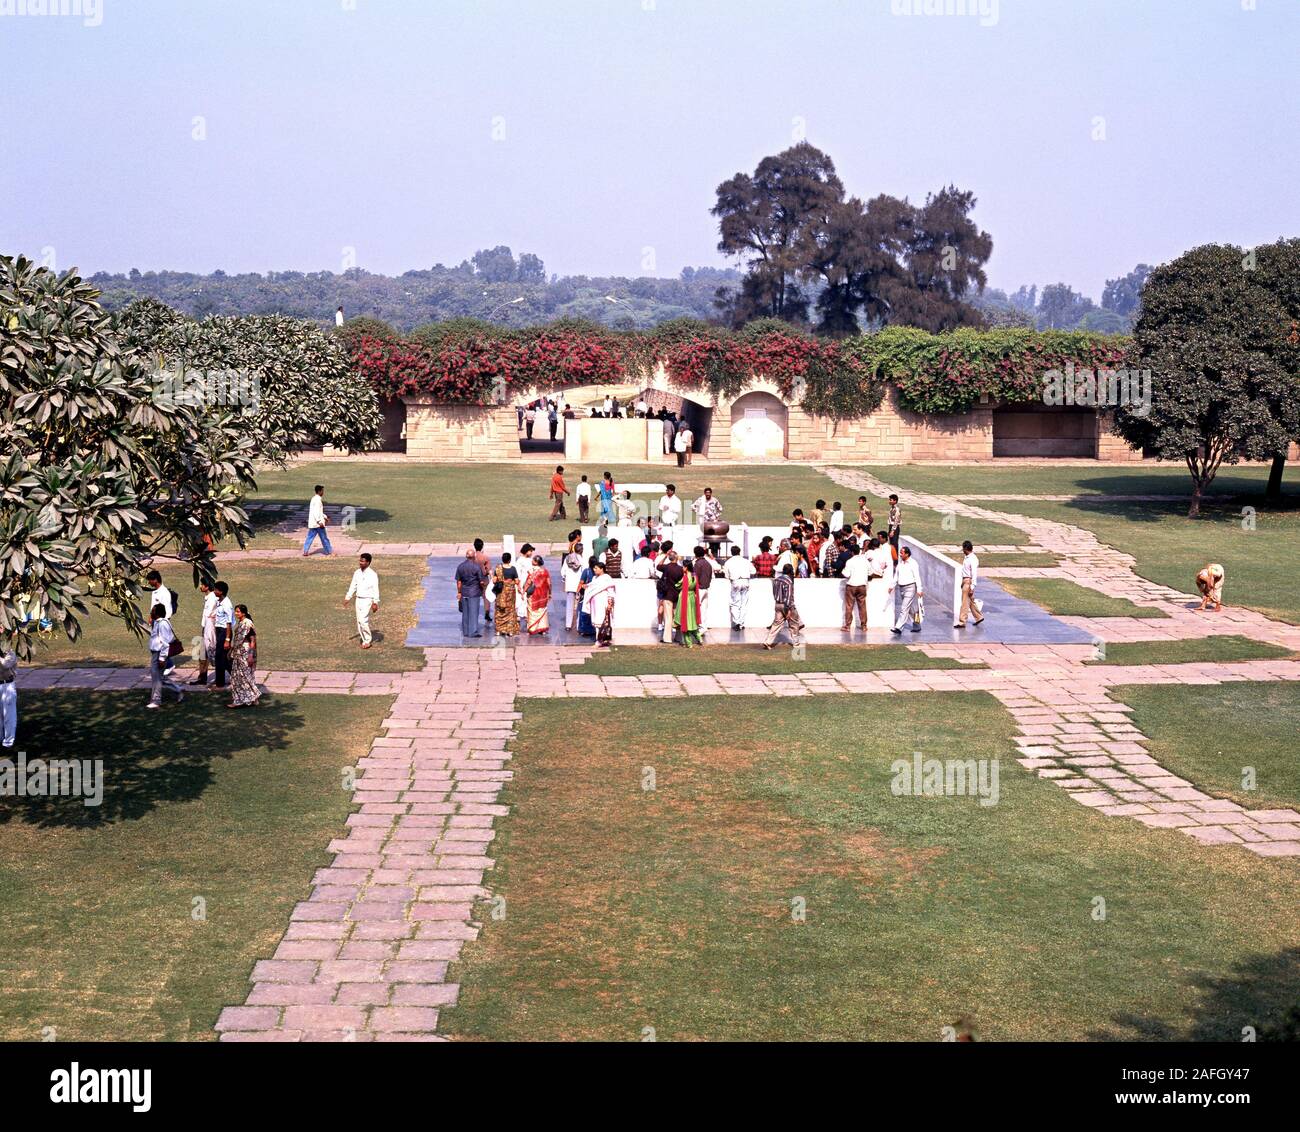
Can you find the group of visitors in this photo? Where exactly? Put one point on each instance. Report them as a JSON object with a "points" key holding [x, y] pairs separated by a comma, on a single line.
{"points": [[543, 416], [226, 643], [513, 597]]}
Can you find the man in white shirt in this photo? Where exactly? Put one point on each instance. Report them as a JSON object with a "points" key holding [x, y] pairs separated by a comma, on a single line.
{"points": [[858, 571], [365, 591], [670, 510], [642, 409], [161, 595], [316, 521], [642, 567], [338, 317], [608, 406], [738, 571], [970, 571], [907, 581], [582, 493], [223, 617], [882, 559], [8, 698], [571, 576], [837, 516]]}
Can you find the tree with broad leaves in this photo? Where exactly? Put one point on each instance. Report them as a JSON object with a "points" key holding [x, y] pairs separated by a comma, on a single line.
{"points": [[99, 476], [1216, 333]]}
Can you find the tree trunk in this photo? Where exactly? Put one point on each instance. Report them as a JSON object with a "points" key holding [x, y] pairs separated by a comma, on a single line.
{"points": [[1274, 489], [1194, 511]]}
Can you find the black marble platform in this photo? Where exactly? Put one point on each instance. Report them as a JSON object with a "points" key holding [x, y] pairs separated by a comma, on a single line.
{"points": [[1008, 620]]}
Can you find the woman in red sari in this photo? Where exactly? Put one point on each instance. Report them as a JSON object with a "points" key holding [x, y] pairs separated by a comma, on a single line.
{"points": [[538, 589]]}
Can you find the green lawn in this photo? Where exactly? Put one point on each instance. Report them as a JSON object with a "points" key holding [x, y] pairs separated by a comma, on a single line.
{"points": [[1260, 563], [1057, 479], [1199, 650], [98, 939], [673, 908], [455, 502], [297, 608], [1210, 734], [1069, 599], [712, 659], [1257, 547]]}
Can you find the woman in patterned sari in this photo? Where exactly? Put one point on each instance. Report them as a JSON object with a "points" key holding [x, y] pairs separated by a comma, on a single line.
{"points": [[538, 590], [243, 660], [505, 581], [688, 607]]}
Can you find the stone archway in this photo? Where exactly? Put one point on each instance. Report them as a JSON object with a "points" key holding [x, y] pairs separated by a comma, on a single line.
{"points": [[759, 426]]}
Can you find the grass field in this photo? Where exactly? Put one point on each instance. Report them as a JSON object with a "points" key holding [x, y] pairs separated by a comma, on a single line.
{"points": [[1201, 650], [1257, 542], [1211, 734], [1059, 479], [455, 502], [296, 606], [1069, 599], [99, 941], [747, 658], [677, 908]]}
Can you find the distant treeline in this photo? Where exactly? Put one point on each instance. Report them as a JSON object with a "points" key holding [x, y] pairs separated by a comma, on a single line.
{"points": [[493, 286]]}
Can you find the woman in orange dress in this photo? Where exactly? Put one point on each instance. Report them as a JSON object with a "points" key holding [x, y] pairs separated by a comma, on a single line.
{"points": [[538, 589]]}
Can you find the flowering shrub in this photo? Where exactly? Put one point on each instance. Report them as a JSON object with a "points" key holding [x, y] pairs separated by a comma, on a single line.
{"points": [[949, 373], [841, 379]]}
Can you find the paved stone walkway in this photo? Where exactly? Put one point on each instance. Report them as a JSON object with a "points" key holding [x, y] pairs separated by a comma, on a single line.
{"points": [[1089, 562]]}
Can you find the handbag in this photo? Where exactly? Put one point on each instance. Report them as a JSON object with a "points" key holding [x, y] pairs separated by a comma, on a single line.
{"points": [[175, 648]]}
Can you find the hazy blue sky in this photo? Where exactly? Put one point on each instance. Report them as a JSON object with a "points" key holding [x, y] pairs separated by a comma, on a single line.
{"points": [[369, 124]]}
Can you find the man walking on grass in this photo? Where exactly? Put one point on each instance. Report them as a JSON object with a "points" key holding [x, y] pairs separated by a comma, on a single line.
{"points": [[558, 492], [316, 521], [364, 591]]}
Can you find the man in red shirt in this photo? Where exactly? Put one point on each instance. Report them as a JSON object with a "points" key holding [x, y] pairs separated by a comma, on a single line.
{"points": [[558, 492]]}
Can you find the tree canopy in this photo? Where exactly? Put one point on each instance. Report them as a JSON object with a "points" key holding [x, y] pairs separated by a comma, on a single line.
{"points": [[99, 475], [1218, 331]]}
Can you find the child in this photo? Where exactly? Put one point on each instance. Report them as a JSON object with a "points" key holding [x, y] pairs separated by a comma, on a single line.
{"points": [[582, 493]]}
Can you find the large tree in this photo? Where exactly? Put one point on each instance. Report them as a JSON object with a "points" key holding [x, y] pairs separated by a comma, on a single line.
{"points": [[771, 219], [99, 475], [944, 258], [290, 383], [1214, 333]]}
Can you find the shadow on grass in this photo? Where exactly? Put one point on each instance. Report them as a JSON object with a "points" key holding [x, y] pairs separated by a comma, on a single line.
{"points": [[278, 512], [1261, 992], [1155, 511], [150, 758]]}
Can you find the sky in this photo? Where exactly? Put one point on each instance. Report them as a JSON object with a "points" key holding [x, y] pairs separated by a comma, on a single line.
{"points": [[256, 135]]}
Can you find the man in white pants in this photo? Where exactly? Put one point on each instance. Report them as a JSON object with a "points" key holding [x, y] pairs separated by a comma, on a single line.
{"points": [[8, 699], [907, 580], [365, 591]]}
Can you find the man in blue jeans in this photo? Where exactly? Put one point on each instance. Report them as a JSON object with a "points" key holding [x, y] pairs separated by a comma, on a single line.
{"points": [[316, 521], [469, 594]]}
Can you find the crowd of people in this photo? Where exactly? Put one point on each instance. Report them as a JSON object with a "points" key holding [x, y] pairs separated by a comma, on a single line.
{"points": [[540, 419], [822, 543]]}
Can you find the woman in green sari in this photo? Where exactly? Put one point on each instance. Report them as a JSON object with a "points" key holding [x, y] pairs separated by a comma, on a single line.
{"points": [[688, 607]]}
